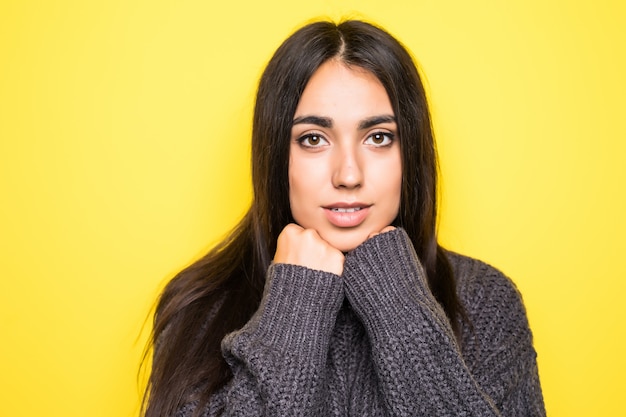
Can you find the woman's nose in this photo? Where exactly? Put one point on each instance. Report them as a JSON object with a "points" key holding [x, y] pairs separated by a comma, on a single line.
{"points": [[347, 172]]}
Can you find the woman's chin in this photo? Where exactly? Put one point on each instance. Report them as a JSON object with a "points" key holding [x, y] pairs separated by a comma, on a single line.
{"points": [[346, 241]]}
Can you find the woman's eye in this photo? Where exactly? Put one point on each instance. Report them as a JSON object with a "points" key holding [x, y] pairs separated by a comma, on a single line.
{"points": [[379, 139], [312, 141]]}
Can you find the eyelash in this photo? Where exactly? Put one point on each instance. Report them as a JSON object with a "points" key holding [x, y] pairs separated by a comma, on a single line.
{"points": [[388, 135], [303, 139]]}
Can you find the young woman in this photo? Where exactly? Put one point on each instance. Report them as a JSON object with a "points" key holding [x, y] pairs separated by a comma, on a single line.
{"points": [[332, 296]]}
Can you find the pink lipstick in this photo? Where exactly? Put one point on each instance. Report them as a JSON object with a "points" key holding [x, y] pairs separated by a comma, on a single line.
{"points": [[346, 214]]}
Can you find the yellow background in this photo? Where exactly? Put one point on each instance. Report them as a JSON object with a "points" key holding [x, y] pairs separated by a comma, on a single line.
{"points": [[124, 155]]}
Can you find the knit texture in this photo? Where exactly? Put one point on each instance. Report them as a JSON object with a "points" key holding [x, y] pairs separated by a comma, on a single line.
{"points": [[375, 342]]}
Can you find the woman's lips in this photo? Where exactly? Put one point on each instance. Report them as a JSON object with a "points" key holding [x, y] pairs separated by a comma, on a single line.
{"points": [[346, 216]]}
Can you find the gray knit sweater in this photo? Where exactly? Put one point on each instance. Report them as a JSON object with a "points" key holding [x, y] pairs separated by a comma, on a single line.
{"points": [[374, 342]]}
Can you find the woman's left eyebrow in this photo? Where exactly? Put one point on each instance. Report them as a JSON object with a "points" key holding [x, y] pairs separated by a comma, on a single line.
{"points": [[376, 120]]}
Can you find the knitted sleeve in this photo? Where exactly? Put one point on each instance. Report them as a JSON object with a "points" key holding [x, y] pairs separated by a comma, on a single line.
{"points": [[420, 367], [278, 358]]}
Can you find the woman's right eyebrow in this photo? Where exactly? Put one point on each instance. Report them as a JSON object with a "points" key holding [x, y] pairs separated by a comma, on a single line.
{"points": [[320, 121]]}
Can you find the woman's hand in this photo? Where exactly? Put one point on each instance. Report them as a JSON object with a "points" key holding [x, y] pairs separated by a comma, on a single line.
{"points": [[305, 247]]}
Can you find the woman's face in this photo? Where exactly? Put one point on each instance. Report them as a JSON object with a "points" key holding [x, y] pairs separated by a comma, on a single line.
{"points": [[345, 171]]}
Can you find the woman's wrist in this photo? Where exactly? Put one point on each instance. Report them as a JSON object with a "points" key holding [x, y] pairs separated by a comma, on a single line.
{"points": [[384, 279], [298, 309]]}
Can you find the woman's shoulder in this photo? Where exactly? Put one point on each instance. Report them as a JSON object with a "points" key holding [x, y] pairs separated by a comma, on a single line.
{"points": [[481, 286], [472, 274], [496, 340]]}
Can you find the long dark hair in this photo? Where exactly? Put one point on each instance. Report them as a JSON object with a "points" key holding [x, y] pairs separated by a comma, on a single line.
{"points": [[220, 292]]}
